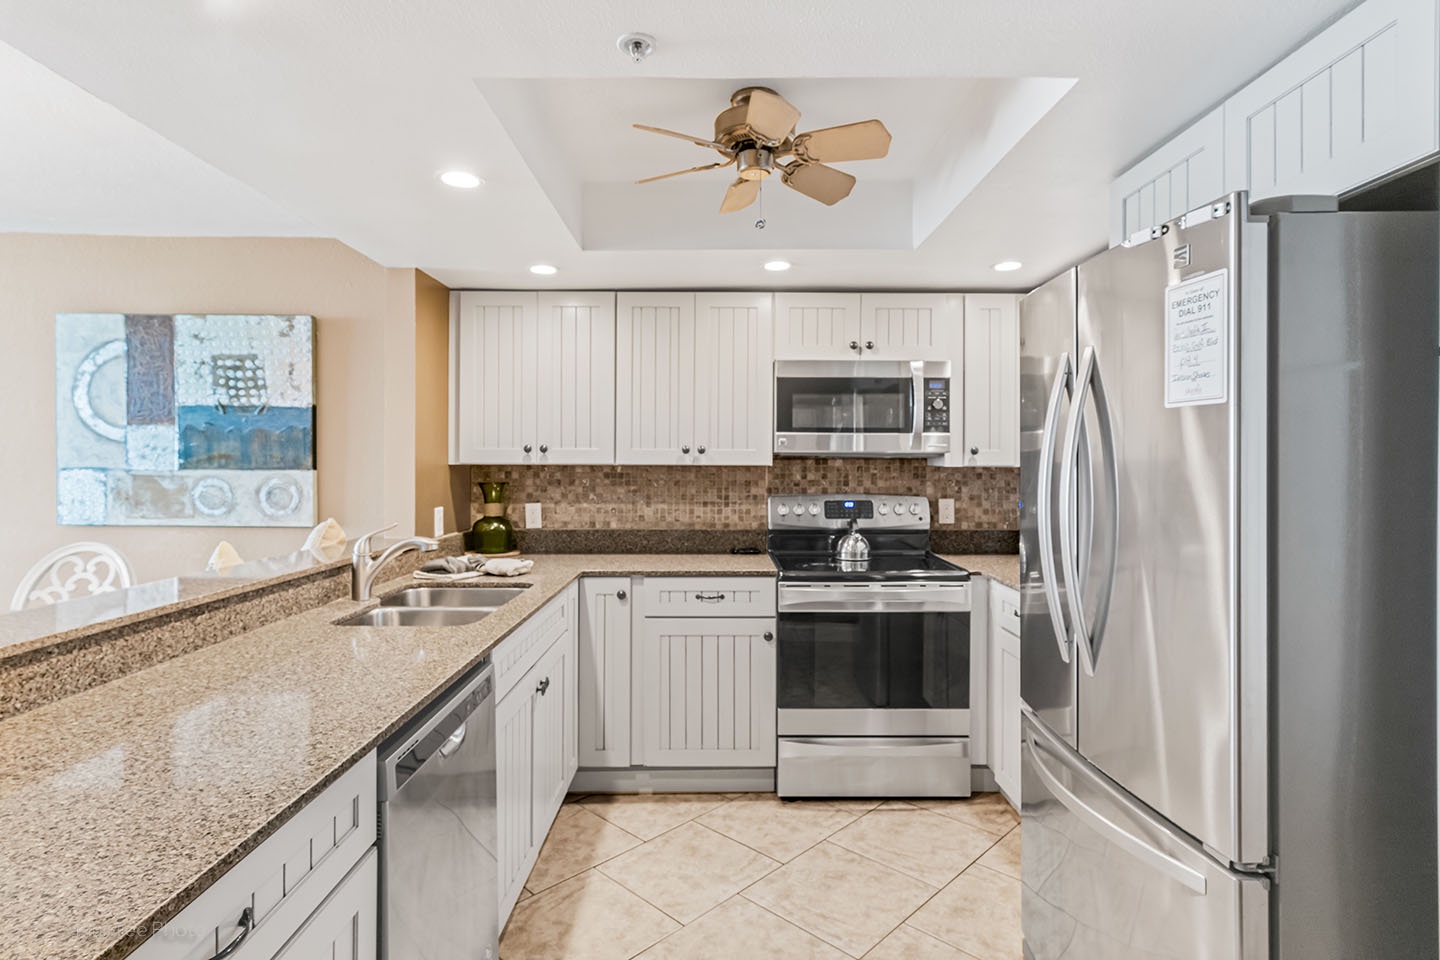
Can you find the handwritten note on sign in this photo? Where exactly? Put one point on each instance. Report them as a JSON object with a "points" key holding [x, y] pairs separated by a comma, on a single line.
{"points": [[1197, 349]]}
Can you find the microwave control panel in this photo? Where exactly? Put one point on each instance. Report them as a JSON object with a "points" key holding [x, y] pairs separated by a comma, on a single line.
{"points": [[937, 405]]}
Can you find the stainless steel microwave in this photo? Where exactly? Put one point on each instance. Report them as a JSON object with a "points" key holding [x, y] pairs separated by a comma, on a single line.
{"points": [[862, 408]]}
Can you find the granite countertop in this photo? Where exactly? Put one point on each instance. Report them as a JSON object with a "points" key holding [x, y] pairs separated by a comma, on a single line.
{"points": [[1004, 567], [121, 804]]}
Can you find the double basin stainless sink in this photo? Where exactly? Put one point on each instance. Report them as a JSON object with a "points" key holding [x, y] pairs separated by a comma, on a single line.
{"points": [[435, 607]]}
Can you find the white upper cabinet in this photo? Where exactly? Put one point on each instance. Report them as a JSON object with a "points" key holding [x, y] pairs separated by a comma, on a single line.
{"points": [[532, 377], [817, 326], [882, 326], [1355, 102], [908, 326], [985, 384], [1186, 172], [694, 374]]}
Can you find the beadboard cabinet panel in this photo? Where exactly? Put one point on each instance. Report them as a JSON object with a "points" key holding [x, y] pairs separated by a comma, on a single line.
{"points": [[1185, 173], [604, 685], [817, 326], [991, 389], [734, 422], [908, 326]]}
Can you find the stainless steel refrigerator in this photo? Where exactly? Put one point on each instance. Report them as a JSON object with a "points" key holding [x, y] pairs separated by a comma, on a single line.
{"points": [[1228, 562]]}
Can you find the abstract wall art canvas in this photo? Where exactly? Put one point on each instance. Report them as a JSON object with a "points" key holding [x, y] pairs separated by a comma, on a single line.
{"points": [[185, 420]]}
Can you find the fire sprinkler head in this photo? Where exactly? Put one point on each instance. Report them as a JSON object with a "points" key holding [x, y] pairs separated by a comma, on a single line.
{"points": [[636, 46]]}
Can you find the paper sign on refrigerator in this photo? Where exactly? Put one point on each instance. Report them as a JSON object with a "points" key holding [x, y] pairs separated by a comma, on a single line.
{"points": [[1197, 349]]}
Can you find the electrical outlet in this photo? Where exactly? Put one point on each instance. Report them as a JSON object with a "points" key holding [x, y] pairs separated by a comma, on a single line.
{"points": [[439, 521], [532, 516], [947, 510]]}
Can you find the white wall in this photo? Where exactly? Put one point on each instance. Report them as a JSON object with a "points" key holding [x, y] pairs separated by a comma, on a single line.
{"points": [[365, 381]]}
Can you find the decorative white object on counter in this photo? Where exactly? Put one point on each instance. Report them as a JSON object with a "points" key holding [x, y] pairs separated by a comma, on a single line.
{"points": [[327, 537], [224, 557], [74, 570]]}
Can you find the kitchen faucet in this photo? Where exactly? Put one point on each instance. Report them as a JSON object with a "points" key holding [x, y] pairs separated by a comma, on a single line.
{"points": [[363, 570]]}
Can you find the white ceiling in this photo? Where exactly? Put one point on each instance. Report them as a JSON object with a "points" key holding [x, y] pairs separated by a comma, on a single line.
{"points": [[269, 116]]}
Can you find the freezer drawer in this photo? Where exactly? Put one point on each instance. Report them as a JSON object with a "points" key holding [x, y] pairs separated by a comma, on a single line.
{"points": [[1105, 879]]}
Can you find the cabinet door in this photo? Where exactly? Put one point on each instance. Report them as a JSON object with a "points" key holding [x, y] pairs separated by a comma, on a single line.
{"points": [[991, 383], [735, 396], [1185, 173], [1355, 102], [817, 326], [1004, 690], [907, 326], [604, 680], [346, 925], [495, 368], [551, 750], [1010, 731], [575, 386], [657, 353], [514, 800], [707, 692]]}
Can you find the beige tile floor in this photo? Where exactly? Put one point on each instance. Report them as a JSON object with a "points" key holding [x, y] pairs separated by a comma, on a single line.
{"points": [[735, 876]]}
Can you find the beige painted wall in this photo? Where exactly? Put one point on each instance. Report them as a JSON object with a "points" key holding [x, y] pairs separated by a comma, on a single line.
{"points": [[365, 379], [432, 409]]}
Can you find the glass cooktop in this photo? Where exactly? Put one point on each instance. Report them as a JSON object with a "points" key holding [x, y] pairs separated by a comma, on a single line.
{"points": [[908, 566]]}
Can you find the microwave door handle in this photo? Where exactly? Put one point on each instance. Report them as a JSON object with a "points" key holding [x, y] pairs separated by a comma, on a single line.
{"points": [[917, 403], [1044, 501], [1068, 530]]}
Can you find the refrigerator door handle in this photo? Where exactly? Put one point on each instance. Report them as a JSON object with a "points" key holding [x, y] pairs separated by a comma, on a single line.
{"points": [[1044, 499], [1156, 859], [1087, 633]]}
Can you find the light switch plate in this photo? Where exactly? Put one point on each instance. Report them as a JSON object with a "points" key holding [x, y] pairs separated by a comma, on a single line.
{"points": [[439, 521], [947, 510], [532, 516]]}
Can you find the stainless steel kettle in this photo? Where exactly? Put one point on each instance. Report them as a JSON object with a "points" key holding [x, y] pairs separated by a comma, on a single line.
{"points": [[853, 546]]}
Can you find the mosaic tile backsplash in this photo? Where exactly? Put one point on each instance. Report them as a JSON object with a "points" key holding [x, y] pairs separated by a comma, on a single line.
{"points": [[733, 498]]}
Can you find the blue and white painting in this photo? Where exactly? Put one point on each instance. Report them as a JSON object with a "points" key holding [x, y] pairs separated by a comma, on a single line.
{"points": [[185, 420]]}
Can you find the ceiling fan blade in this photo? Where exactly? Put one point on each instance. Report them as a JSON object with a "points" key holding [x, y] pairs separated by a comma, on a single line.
{"points": [[740, 195], [677, 173], [770, 116], [866, 140], [698, 141], [819, 182]]}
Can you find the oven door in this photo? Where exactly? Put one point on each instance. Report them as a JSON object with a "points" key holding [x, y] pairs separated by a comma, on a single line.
{"points": [[873, 672], [864, 407]]}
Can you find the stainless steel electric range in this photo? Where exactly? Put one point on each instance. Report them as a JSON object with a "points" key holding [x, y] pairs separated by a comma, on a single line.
{"points": [[874, 650]]}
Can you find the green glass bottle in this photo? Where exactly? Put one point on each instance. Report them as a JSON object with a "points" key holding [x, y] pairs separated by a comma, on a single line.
{"points": [[493, 533]]}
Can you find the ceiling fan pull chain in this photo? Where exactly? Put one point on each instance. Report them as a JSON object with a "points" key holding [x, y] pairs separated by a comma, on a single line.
{"points": [[760, 200]]}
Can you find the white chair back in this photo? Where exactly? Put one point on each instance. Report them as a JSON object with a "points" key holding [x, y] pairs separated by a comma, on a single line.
{"points": [[75, 570]]}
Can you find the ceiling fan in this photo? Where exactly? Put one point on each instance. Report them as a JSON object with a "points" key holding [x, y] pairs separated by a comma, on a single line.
{"points": [[757, 135]]}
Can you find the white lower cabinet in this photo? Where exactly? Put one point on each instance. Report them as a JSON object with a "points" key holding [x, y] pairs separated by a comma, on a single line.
{"points": [[536, 744], [707, 692], [296, 881], [344, 928], [604, 694], [1004, 667]]}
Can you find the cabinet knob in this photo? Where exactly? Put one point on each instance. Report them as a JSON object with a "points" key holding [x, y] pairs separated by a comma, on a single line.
{"points": [[544, 448], [620, 594], [974, 451], [700, 449], [527, 448], [854, 344], [768, 636], [685, 448], [869, 344], [544, 685]]}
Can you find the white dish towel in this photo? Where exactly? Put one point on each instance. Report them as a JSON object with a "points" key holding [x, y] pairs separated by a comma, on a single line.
{"points": [[506, 567]]}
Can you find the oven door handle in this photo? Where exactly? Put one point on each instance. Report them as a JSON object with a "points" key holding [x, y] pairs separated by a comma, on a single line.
{"points": [[901, 599]]}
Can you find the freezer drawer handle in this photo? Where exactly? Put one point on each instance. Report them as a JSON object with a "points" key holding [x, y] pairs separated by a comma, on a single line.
{"points": [[1043, 513], [1131, 844]]}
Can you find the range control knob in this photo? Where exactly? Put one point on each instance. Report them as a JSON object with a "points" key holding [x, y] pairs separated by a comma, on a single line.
{"points": [[884, 508], [915, 509], [814, 509], [782, 510], [938, 403]]}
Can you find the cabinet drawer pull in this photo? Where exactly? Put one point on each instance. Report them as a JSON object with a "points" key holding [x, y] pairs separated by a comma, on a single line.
{"points": [[768, 636], [247, 922], [544, 685], [710, 597], [620, 594]]}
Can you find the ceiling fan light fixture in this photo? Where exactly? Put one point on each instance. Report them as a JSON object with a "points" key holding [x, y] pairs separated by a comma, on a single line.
{"points": [[777, 266], [1005, 266], [543, 270], [460, 179], [636, 46]]}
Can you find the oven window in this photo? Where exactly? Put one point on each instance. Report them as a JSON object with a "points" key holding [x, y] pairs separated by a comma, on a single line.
{"points": [[844, 405], [869, 661]]}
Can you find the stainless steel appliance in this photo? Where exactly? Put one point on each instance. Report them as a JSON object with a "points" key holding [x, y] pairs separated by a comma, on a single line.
{"points": [[1229, 591], [872, 408], [439, 878], [874, 654]]}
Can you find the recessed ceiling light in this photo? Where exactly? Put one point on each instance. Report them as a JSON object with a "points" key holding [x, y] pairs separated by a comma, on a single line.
{"points": [[775, 266], [460, 179], [543, 270], [1005, 266]]}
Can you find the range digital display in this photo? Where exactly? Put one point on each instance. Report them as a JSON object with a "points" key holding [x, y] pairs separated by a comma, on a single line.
{"points": [[849, 509]]}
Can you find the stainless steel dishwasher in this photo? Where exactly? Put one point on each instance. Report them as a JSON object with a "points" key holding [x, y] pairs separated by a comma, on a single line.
{"points": [[439, 877]]}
